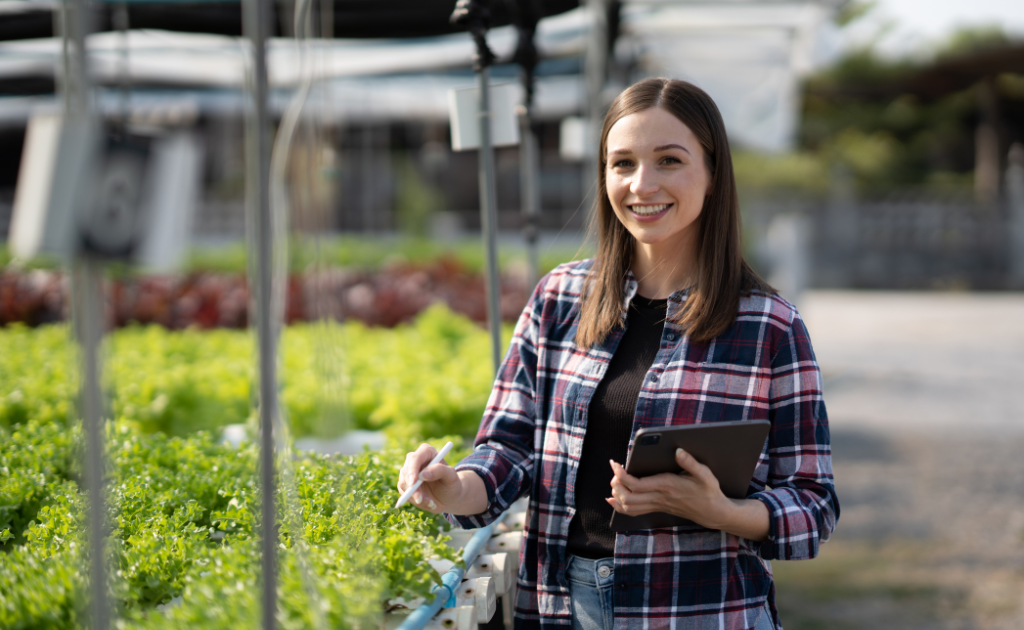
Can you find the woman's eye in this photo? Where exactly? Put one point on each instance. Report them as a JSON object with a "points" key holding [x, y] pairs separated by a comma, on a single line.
{"points": [[672, 160], [622, 164]]}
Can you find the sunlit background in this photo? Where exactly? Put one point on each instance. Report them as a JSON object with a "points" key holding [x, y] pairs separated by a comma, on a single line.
{"points": [[879, 154]]}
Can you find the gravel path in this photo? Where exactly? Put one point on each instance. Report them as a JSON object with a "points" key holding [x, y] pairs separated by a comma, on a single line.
{"points": [[925, 394]]}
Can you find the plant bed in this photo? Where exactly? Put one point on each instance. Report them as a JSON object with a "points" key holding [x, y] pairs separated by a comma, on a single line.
{"points": [[388, 296], [183, 547], [431, 377]]}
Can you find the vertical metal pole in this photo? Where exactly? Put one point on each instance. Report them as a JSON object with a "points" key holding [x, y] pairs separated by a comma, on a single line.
{"points": [[88, 296], [987, 152], [257, 22], [121, 24], [1015, 199], [60, 75], [596, 72], [489, 215], [77, 74], [529, 193], [369, 176], [88, 288]]}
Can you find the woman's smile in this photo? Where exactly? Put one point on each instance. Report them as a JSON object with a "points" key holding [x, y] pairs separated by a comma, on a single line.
{"points": [[649, 211]]}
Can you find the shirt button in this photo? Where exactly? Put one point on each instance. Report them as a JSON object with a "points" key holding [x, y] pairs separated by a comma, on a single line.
{"points": [[654, 378], [604, 571], [670, 336]]}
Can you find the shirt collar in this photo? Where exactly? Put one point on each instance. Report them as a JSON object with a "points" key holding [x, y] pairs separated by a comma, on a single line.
{"points": [[631, 285]]}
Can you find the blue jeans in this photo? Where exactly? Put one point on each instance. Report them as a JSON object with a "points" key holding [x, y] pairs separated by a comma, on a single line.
{"points": [[590, 595]]}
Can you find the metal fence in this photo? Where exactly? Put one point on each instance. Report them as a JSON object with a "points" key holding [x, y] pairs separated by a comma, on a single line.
{"points": [[903, 242]]}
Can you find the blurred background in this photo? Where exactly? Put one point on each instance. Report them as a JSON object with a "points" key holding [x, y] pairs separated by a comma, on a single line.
{"points": [[879, 153]]}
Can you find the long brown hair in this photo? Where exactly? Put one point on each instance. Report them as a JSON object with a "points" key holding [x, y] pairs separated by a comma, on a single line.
{"points": [[722, 273]]}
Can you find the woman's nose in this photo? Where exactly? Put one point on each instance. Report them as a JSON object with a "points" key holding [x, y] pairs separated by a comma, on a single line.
{"points": [[644, 182]]}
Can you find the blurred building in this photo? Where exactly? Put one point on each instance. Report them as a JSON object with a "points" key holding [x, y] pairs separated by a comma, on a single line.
{"points": [[373, 154], [378, 112]]}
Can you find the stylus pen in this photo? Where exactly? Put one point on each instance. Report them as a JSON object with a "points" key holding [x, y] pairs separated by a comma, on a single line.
{"points": [[419, 482]]}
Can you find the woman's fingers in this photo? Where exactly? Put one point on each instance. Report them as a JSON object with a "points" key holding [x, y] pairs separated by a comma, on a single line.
{"points": [[639, 498], [424, 499], [633, 495], [440, 481], [688, 494], [414, 464], [622, 476], [441, 471], [636, 496], [658, 493], [654, 483], [634, 506], [690, 464]]}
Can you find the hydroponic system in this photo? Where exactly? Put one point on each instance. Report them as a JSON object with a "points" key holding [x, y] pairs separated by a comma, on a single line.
{"points": [[140, 515]]}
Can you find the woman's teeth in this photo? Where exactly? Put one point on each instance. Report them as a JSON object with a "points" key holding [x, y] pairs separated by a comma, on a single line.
{"points": [[649, 210]]}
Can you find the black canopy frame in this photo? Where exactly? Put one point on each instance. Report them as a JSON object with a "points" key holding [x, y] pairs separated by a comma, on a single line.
{"points": [[351, 18]]}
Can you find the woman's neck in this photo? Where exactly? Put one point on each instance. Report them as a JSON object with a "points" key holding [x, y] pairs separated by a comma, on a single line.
{"points": [[660, 273]]}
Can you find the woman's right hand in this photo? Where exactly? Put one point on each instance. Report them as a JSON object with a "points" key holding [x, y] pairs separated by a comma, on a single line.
{"points": [[443, 489]]}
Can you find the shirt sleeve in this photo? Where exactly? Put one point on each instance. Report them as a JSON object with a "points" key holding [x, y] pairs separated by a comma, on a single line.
{"points": [[801, 496], [504, 447]]}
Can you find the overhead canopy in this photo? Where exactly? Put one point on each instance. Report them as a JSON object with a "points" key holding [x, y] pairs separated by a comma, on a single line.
{"points": [[748, 55], [30, 19], [159, 58], [178, 75]]}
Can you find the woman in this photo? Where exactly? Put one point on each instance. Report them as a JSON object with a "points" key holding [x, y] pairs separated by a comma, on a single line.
{"points": [[666, 325]]}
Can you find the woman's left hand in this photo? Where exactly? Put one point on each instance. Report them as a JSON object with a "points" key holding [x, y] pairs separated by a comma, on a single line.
{"points": [[693, 494]]}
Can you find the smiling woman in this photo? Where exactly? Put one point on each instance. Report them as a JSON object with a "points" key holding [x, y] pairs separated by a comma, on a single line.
{"points": [[667, 325], [706, 255]]}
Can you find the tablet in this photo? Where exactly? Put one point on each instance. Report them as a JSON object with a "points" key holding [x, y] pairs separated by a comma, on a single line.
{"points": [[729, 449]]}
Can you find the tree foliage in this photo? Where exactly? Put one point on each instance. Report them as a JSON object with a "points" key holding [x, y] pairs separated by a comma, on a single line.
{"points": [[861, 119]]}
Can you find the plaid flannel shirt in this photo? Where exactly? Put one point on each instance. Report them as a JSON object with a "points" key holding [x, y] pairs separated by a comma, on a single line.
{"points": [[531, 438]]}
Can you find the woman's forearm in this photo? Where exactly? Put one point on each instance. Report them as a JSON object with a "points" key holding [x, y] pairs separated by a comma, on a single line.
{"points": [[746, 518]]}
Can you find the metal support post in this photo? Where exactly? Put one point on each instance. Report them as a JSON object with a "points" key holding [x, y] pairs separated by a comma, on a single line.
{"points": [[257, 24], [489, 216], [530, 193], [1015, 198], [88, 300], [596, 73], [474, 14], [525, 15], [88, 295]]}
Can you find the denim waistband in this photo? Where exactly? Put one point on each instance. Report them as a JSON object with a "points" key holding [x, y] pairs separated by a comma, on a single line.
{"points": [[600, 572]]}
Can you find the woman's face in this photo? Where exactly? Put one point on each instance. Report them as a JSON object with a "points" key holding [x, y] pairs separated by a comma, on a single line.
{"points": [[656, 179]]}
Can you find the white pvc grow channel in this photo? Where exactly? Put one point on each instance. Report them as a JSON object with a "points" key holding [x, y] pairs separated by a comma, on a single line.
{"points": [[467, 597]]}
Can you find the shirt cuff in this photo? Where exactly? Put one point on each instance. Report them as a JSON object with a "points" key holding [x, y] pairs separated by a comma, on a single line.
{"points": [[770, 549]]}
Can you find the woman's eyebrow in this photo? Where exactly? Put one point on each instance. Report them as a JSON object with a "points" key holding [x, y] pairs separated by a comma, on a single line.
{"points": [[666, 147]]}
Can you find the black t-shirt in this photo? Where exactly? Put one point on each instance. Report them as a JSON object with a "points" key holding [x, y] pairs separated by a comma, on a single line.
{"points": [[609, 425]]}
